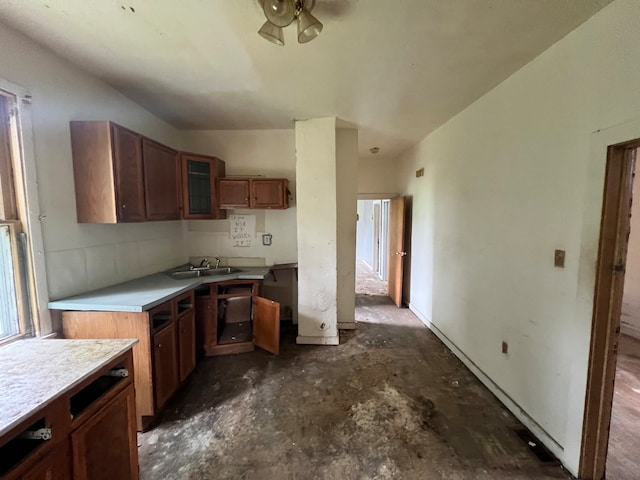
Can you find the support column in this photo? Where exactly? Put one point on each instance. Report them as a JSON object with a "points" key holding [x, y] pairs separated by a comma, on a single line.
{"points": [[326, 168], [347, 211]]}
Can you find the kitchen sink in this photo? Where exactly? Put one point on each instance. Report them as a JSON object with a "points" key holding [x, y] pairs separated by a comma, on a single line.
{"points": [[186, 274], [209, 272], [220, 271]]}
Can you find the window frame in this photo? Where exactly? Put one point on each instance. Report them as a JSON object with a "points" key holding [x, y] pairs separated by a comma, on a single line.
{"points": [[37, 318]]}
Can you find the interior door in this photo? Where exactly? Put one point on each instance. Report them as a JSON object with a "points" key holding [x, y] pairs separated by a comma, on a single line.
{"points": [[266, 324], [396, 249]]}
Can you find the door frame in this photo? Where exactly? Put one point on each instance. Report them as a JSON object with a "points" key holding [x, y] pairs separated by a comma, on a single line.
{"points": [[607, 303], [377, 208]]}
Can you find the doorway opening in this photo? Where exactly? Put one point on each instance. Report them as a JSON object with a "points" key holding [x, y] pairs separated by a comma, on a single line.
{"points": [[612, 411], [372, 237], [381, 248]]}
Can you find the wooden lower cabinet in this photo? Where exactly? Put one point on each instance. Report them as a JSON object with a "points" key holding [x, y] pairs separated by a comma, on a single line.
{"points": [[186, 345], [232, 318], [55, 465], [165, 368], [91, 460], [93, 432], [164, 355]]}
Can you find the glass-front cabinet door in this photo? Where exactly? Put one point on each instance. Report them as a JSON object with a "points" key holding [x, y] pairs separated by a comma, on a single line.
{"points": [[199, 186]]}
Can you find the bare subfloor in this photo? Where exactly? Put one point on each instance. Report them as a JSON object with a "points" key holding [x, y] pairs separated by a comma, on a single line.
{"points": [[390, 402], [623, 462]]}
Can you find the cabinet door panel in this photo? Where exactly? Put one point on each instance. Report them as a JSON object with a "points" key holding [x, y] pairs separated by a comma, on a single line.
{"points": [[187, 345], [266, 324], [113, 427], [199, 177], [165, 371], [127, 153], [161, 181], [271, 193], [233, 193]]}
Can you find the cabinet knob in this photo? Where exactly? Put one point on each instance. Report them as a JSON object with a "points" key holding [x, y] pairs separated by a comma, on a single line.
{"points": [[124, 205], [159, 345]]}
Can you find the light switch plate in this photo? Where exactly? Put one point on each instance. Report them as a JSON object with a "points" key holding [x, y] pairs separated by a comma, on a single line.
{"points": [[266, 239], [558, 258]]}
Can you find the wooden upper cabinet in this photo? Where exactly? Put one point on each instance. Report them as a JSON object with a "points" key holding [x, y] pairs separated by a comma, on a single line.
{"points": [[199, 186], [269, 193], [107, 167], [161, 181], [121, 176], [258, 193], [127, 166], [234, 193]]}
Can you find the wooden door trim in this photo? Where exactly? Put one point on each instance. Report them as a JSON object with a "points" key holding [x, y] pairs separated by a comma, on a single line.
{"points": [[605, 328]]}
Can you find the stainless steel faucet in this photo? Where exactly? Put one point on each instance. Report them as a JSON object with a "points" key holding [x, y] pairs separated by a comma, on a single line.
{"points": [[217, 262], [206, 263]]}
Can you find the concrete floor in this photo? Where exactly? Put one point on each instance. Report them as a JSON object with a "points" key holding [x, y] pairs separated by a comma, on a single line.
{"points": [[390, 402], [624, 441]]}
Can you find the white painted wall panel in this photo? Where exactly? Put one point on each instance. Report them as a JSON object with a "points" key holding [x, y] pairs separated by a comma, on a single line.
{"points": [[507, 181], [62, 92], [270, 153]]}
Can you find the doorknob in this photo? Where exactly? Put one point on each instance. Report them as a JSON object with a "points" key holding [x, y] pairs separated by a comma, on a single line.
{"points": [[402, 254]]}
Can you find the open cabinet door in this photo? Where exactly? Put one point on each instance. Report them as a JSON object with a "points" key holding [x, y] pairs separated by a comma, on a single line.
{"points": [[266, 324], [396, 249]]}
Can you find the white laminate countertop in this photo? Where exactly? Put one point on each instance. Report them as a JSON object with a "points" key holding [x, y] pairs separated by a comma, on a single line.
{"points": [[145, 293], [35, 372]]}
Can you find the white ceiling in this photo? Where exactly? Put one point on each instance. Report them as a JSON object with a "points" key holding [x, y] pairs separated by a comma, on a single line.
{"points": [[396, 69]]}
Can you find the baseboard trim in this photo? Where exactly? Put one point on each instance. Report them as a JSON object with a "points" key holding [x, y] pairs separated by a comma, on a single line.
{"points": [[500, 394], [302, 340], [346, 325]]}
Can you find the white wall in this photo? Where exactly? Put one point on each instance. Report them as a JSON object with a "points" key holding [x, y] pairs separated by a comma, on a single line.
{"points": [[514, 176], [630, 321], [364, 237], [270, 153], [377, 178], [82, 257]]}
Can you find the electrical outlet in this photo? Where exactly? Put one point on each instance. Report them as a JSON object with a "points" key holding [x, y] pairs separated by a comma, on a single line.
{"points": [[420, 173], [558, 258]]}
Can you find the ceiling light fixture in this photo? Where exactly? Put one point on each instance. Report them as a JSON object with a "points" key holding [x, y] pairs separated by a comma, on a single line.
{"points": [[281, 13]]}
